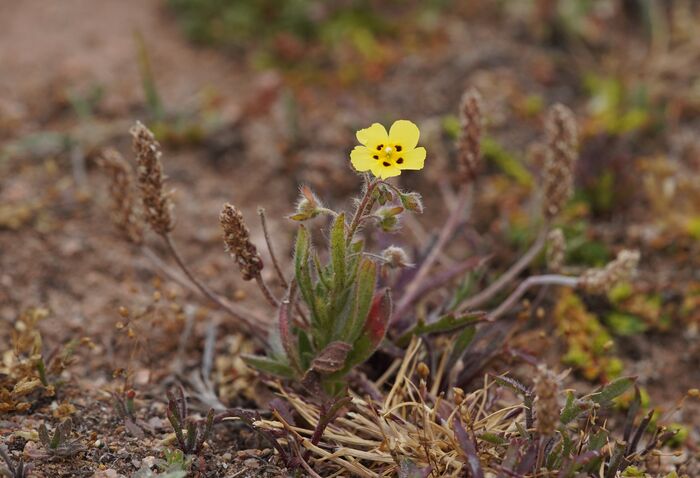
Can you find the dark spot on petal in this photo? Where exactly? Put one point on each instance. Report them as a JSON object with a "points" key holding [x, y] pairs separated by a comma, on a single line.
{"points": [[399, 161], [375, 156], [398, 147], [386, 163], [379, 148]]}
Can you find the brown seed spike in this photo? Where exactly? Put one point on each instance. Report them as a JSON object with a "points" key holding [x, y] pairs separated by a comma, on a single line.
{"points": [[469, 142], [156, 200], [121, 189], [600, 281], [237, 241], [547, 407], [562, 139]]}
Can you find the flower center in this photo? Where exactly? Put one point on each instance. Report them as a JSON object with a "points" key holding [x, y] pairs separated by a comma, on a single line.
{"points": [[387, 153]]}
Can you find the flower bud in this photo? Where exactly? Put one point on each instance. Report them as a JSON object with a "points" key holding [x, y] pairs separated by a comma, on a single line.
{"points": [[308, 206], [388, 217], [412, 202], [395, 257]]}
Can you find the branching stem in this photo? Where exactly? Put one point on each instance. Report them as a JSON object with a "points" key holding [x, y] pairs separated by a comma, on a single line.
{"points": [[446, 233], [494, 288], [546, 279], [359, 213]]}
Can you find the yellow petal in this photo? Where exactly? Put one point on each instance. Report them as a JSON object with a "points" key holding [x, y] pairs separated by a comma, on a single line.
{"points": [[405, 133], [413, 159], [373, 136], [387, 171], [361, 158]]}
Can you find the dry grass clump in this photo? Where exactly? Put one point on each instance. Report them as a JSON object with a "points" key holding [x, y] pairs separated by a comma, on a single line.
{"points": [[485, 432]]}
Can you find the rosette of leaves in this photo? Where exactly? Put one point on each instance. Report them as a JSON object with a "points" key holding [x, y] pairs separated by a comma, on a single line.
{"points": [[346, 317]]}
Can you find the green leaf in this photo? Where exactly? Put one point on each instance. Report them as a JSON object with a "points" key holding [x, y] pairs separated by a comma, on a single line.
{"points": [[306, 351], [302, 272], [362, 301], [338, 252], [571, 409], [269, 365], [464, 339], [493, 438], [596, 441], [612, 390], [446, 323], [373, 331]]}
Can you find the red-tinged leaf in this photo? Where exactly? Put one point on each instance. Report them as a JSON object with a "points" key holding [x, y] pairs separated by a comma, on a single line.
{"points": [[286, 336], [373, 331], [379, 317], [332, 358], [468, 449]]}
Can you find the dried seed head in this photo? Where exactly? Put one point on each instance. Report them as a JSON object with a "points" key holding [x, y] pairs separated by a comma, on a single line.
{"points": [[156, 200], [600, 281], [546, 403], [469, 143], [395, 257], [556, 249], [423, 370], [412, 202], [125, 213], [562, 141], [237, 241]]}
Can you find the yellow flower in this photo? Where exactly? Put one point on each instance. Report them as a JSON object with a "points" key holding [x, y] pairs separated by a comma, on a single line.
{"points": [[386, 155]]}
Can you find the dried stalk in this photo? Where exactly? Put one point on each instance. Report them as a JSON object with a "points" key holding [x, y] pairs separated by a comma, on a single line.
{"points": [[547, 279], [270, 249]]}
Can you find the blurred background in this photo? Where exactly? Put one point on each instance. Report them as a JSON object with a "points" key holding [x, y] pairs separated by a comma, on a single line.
{"points": [[251, 98]]}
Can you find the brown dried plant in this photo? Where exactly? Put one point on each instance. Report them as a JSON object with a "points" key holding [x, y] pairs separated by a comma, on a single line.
{"points": [[560, 160], [237, 241], [469, 142], [157, 205], [600, 281], [121, 189]]}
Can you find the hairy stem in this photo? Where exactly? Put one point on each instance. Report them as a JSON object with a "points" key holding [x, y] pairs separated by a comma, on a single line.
{"points": [[256, 326], [266, 291], [495, 287], [359, 213]]}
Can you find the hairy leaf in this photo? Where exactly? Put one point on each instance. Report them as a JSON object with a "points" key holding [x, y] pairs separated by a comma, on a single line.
{"points": [[269, 365], [613, 390], [364, 293], [332, 358], [446, 323], [374, 329]]}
